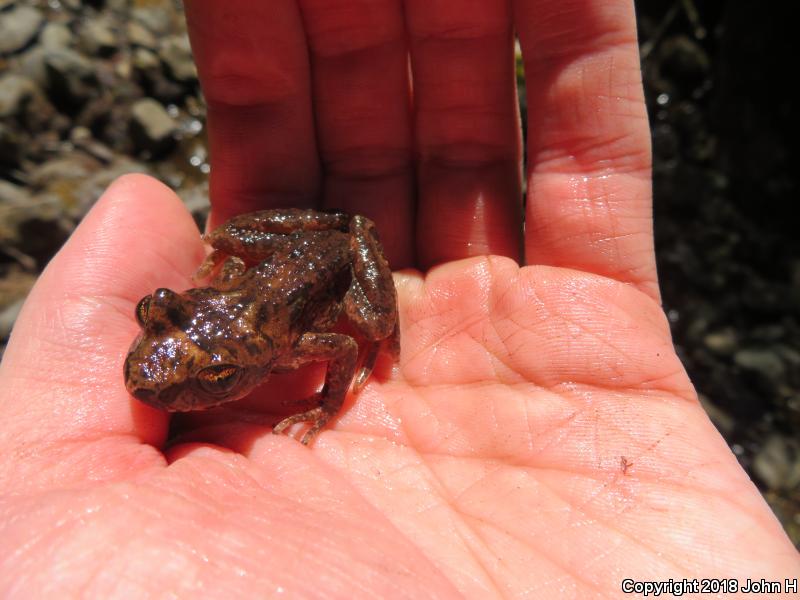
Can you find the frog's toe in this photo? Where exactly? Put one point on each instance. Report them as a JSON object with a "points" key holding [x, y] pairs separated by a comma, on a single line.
{"points": [[318, 417]]}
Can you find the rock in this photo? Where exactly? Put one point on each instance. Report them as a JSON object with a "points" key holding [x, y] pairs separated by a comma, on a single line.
{"points": [[10, 150], [61, 179], [8, 317], [763, 361], [196, 198], [777, 464], [22, 101], [55, 35], [684, 59], [12, 195], [139, 35], [145, 60], [97, 37], [158, 17], [81, 138], [151, 127], [18, 28], [176, 53], [71, 77], [15, 92], [722, 341]]}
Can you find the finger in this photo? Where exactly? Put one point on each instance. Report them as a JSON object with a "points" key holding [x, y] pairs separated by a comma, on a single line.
{"points": [[589, 186], [62, 371], [253, 66], [359, 66], [467, 129]]}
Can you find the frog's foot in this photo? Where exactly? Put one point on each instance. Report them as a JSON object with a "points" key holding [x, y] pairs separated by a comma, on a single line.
{"points": [[209, 265], [373, 349], [318, 417]]}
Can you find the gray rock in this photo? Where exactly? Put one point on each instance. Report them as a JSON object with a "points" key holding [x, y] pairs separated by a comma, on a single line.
{"points": [[152, 128], [722, 341], [18, 28], [97, 37], [763, 361], [71, 77], [8, 317], [55, 35], [81, 138], [195, 198], [139, 35], [176, 53], [15, 92], [31, 65], [777, 464], [145, 60], [158, 17], [10, 149], [56, 170], [11, 195]]}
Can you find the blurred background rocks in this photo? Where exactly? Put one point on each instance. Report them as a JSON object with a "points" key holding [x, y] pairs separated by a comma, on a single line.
{"points": [[90, 90]]}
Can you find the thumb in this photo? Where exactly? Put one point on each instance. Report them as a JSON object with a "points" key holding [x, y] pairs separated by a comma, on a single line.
{"points": [[61, 376]]}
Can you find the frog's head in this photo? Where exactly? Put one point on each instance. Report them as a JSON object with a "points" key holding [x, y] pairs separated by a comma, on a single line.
{"points": [[190, 354]]}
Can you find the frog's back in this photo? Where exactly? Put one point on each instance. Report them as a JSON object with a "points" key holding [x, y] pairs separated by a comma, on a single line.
{"points": [[310, 265]]}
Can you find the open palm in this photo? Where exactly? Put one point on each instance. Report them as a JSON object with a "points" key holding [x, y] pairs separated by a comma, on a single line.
{"points": [[538, 436]]}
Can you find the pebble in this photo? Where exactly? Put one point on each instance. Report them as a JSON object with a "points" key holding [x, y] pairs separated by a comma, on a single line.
{"points": [[18, 28], [723, 341], [10, 151], [763, 361], [157, 16], [8, 317], [777, 463], [139, 35], [176, 53], [152, 128], [71, 76], [55, 35], [97, 37], [15, 90]]}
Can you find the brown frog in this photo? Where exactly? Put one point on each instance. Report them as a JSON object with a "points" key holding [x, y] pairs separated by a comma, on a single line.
{"points": [[282, 279]]}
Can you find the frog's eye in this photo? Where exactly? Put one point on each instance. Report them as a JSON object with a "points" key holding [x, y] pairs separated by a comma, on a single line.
{"points": [[219, 379], [142, 309]]}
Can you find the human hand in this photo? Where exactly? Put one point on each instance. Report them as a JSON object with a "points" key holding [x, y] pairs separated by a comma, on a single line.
{"points": [[539, 435]]}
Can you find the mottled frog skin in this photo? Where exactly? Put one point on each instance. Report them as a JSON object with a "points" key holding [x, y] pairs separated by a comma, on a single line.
{"points": [[283, 277]]}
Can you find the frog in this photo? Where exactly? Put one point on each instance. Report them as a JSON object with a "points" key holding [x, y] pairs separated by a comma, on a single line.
{"points": [[278, 282]]}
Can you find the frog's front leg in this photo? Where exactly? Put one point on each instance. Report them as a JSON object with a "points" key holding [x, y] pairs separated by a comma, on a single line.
{"points": [[341, 352]]}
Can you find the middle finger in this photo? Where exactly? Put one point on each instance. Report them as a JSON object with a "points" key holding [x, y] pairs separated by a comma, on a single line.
{"points": [[467, 129], [359, 73]]}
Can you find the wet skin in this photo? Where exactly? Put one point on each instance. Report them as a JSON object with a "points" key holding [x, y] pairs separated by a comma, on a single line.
{"points": [[283, 277]]}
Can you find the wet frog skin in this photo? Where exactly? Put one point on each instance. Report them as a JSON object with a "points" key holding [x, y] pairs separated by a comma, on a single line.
{"points": [[283, 277]]}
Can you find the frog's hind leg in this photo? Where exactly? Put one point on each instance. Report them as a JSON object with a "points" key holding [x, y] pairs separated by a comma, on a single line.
{"points": [[341, 352], [256, 236], [226, 270], [371, 356], [371, 301]]}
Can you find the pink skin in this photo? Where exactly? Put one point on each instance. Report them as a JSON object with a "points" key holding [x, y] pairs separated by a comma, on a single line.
{"points": [[538, 435]]}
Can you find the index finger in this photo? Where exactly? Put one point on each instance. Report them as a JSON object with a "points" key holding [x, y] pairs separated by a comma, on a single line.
{"points": [[252, 60]]}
